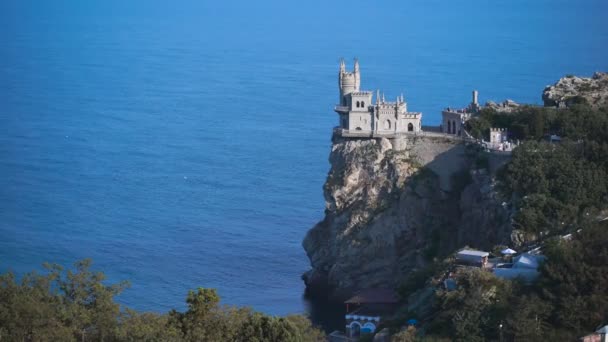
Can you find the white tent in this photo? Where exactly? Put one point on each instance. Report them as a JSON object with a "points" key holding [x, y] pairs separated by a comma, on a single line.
{"points": [[508, 251]]}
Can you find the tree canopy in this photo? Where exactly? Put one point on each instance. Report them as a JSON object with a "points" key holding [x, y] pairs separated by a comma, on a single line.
{"points": [[60, 305]]}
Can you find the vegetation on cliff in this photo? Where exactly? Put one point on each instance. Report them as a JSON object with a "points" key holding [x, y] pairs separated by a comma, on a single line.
{"points": [[553, 185], [534, 123], [78, 306], [568, 301], [555, 189]]}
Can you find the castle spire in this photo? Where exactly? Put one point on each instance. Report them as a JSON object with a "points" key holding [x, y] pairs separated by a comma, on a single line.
{"points": [[356, 68], [378, 96], [342, 65]]}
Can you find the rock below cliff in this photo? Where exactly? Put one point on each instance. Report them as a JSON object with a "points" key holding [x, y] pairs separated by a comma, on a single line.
{"points": [[389, 212], [573, 89]]}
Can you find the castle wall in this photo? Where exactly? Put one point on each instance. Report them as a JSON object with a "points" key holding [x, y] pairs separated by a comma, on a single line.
{"points": [[386, 123], [452, 122], [415, 121], [361, 120]]}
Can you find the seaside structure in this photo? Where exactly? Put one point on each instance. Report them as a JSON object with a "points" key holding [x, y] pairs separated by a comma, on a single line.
{"points": [[359, 117], [365, 310], [453, 119]]}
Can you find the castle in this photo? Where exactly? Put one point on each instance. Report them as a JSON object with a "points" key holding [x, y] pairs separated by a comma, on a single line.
{"points": [[453, 120], [359, 117]]}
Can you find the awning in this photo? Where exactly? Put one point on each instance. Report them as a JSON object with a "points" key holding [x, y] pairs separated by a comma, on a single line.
{"points": [[508, 251]]}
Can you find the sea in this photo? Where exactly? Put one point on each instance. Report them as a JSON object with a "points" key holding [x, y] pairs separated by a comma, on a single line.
{"points": [[184, 144]]}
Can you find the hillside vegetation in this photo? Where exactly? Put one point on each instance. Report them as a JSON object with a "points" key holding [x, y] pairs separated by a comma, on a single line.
{"points": [[78, 306], [555, 189], [568, 301]]}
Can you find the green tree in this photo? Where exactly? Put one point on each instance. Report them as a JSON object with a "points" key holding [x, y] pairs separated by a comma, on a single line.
{"points": [[575, 279]]}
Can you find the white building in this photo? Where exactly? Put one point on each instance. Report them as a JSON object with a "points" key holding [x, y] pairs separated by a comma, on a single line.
{"points": [[453, 120], [499, 140], [359, 117], [473, 257]]}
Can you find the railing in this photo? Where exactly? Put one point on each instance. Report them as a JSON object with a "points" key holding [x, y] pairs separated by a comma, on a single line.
{"points": [[341, 109]]}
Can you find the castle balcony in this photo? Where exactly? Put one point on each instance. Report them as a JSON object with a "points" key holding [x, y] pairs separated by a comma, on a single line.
{"points": [[341, 109]]}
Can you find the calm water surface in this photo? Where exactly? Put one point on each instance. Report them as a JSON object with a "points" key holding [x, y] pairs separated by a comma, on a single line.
{"points": [[185, 144]]}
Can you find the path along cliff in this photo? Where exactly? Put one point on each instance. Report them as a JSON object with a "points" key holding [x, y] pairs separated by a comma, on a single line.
{"points": [[392, 206]]}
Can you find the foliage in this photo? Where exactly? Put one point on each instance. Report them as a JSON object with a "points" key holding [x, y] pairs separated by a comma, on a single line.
{"points": [[568, 301], [474, 310], [77, 306], [556, 189], [533, 123], [556, 185], [418, 278], [575, 279]]}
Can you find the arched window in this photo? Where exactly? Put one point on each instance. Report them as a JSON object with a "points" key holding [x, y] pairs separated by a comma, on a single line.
{"points": [[357, 104], [387, 125], [410, 127], [362, 104], [355, 329]]}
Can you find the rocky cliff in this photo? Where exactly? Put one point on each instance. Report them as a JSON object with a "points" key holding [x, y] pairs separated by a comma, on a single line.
{"points": [[573, 89], [390, 211]]}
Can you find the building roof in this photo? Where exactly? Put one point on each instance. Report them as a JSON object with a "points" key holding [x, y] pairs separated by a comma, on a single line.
{"points": [[473, 253], [525, 274], [377, 296], [527, 261]]}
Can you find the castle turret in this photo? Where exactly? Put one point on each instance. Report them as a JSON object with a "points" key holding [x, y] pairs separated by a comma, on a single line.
{"points": [[474, 107], [357, 73], [349, 81], [340, 82]]}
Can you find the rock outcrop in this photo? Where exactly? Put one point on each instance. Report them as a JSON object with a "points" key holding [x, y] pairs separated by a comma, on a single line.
{"points": [[389, 212], [506, 106], [573, 89]]}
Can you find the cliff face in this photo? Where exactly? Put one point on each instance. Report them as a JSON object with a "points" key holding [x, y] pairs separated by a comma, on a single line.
{"points": [[573, 89], [388, 212]]}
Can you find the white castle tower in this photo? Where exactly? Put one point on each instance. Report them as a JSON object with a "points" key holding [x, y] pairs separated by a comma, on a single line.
{"points": [[349, 81], [359, 117]]}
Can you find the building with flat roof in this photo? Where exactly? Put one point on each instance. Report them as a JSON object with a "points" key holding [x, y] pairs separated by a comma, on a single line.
{"points": [[472, 257], [365, 310]]}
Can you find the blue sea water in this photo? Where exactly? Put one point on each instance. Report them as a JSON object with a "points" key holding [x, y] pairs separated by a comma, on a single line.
{"points": [[184, 144]]}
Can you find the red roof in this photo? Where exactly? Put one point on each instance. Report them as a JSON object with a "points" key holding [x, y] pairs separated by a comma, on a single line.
{"points": [[378, 296]]}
